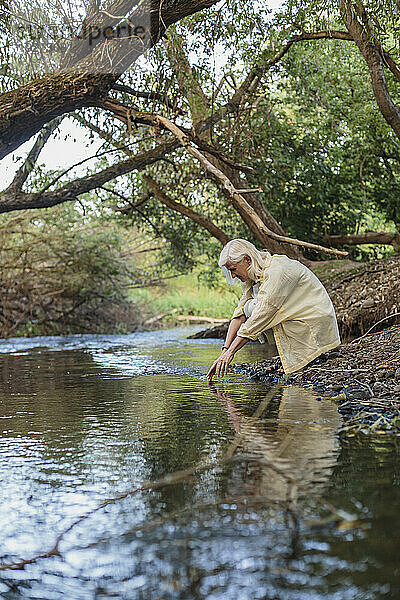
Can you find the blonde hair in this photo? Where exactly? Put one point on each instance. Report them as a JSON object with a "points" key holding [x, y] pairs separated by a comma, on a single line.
{"points": [[235, 251]]}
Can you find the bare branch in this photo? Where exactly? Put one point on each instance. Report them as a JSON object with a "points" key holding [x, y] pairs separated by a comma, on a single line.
{"points": [[148, 96], [222, 180], [134, 208], [70, 191], [203, 221], [26, 169]]}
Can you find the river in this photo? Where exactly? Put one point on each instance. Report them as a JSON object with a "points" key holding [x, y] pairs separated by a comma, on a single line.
{"points": [[273, 504]]}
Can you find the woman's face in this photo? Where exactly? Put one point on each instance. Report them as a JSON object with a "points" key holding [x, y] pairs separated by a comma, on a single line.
{"points": [[240, 269]]}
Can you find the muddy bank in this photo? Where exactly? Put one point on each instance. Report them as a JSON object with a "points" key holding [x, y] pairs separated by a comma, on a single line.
{"points": [[363, 294], [362, 376]]}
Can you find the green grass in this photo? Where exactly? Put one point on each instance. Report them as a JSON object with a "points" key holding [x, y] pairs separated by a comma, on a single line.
{"points": [[189, 297]]}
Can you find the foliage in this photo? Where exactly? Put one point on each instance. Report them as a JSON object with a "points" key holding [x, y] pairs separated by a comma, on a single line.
{"points": [[326, 159], [62, 272], [191, 296], [324, 155]]}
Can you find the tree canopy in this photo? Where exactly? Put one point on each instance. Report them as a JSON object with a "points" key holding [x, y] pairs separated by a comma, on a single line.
{"points": [[225, 119]]}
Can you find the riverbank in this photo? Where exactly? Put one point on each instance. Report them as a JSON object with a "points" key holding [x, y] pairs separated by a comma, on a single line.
{"points": [[362, 376], [362, 293]]}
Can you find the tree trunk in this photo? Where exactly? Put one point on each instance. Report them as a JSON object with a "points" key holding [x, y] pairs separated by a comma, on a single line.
{"points": [[273, 246], [374, 59], [201, 220], [16, 200], [371, 237], [25, 110]]}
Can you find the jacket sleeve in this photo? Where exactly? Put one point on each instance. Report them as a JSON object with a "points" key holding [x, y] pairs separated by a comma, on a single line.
{"points": [[239, 311], [281, 278]]}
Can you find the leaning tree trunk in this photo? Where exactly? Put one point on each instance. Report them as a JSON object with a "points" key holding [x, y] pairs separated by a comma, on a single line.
{"points": [[374, 57], [273, 246], [25, 110]]}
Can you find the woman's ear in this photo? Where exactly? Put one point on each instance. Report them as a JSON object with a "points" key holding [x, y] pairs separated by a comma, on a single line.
{"points": [[247, 259]]}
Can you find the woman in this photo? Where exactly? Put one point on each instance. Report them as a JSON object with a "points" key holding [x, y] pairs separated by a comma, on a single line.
{"points": [[279, 294]]}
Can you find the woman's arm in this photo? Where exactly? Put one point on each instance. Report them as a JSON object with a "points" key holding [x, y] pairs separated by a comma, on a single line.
{"points": [[232, 329], [234, 343], [281, 280]]}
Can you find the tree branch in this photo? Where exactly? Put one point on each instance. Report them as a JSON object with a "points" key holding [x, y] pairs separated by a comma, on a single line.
{"points": [[95, 20], [26, 169], [373, 57], [260, 69], [207, 224], [125, 210], [127, 115], [70, 191], [188, 83], [222, 180], [24, 111], [220, 156], [134, 207], [148, 96], [80, 163], [390, 63]]}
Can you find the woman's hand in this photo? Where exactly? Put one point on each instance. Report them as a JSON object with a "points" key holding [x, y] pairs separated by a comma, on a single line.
{"points": [[220, 366]]}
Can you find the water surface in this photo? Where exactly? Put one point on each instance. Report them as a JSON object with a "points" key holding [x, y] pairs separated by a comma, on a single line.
{"points": [[85, 420]]}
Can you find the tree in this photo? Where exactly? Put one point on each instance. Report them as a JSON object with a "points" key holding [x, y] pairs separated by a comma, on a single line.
{"points": [[89, 70], [66, 272], [218, 111]]}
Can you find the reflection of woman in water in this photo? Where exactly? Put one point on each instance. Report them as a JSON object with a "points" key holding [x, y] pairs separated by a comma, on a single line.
{"points": [[302, 445], [282, 296]]}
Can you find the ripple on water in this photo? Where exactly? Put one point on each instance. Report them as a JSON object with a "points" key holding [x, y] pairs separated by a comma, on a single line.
{"points": [[86, 419]]}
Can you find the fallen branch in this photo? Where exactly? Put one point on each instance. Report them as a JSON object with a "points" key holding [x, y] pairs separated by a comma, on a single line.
{"points": [[159, 317], [396, 314], [370, 237], [200, 319]]}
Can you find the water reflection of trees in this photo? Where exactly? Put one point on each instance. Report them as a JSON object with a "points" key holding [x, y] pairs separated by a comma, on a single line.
{"points": [[164, 423], [62, 400]]}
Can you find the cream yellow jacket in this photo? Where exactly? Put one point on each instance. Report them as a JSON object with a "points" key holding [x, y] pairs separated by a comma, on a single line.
{"points": [[295, 305]]}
